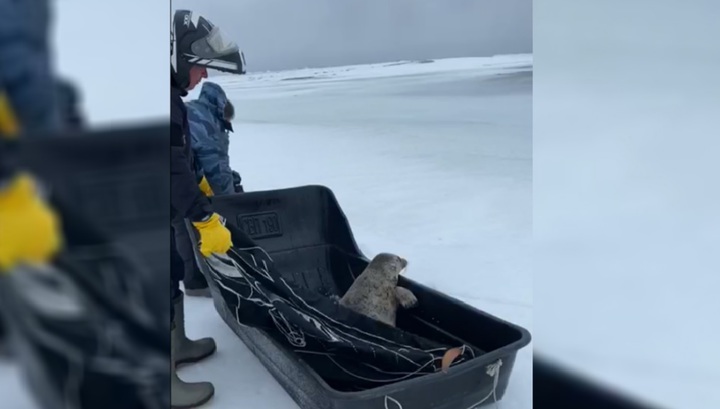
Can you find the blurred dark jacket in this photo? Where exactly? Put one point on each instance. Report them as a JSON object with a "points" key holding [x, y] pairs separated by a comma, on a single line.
{"points": [[26, 74], [187, 201]]}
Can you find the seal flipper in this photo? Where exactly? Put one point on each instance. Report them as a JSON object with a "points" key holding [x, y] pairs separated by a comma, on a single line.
{"points": [[405, 297]]}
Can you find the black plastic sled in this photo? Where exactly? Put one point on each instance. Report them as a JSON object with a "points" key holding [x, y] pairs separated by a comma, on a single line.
{"points": [[308, 246]]}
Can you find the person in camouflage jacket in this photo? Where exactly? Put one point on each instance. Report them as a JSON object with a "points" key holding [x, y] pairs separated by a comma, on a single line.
{"points": [[210, 117]]}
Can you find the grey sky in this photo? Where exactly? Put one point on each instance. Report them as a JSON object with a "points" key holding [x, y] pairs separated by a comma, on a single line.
{"points": [[286, 34]]}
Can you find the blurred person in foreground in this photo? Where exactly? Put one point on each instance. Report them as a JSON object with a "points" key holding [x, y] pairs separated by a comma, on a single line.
{"points": [[59, 327], [209, 117], [69, 117], [196, 45], [27, 97]]}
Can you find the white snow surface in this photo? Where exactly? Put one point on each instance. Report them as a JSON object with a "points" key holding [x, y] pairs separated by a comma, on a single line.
{"points": [[432, 161]]}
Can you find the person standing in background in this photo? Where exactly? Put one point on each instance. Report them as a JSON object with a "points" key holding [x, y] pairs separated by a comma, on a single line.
{"points": [[210, 117]]}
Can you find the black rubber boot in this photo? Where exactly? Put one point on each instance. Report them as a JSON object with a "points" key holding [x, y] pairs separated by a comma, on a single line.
{"points": [[187, 350], [194, 281], [186, 395]]}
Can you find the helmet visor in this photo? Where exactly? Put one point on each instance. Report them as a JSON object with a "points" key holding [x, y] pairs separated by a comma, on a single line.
{"points": [[215, 50], [214, 45]]}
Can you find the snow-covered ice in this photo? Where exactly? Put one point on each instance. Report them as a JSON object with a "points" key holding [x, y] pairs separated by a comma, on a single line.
{"points": [[430, 160]]}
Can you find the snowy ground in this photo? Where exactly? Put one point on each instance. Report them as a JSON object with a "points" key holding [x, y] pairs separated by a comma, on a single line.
{"points": [[433, 161]]}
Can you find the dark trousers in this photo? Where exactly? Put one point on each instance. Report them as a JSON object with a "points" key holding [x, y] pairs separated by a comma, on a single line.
{"points": [[177, 271], [183, 266], [177, 267], [192, 276]]}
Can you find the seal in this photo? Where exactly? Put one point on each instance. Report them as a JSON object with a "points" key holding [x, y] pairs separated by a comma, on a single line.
{"points": [[375, 292]]}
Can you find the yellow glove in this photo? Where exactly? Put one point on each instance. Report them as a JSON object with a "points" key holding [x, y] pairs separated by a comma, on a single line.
{"points": [[29, 229], [205, 187], [214, 236], [9, 127]]}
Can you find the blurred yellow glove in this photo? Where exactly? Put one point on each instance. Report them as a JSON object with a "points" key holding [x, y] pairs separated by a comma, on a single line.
{"points": [[29, 229], [9, 127], [214, 236], [205, 187]]}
